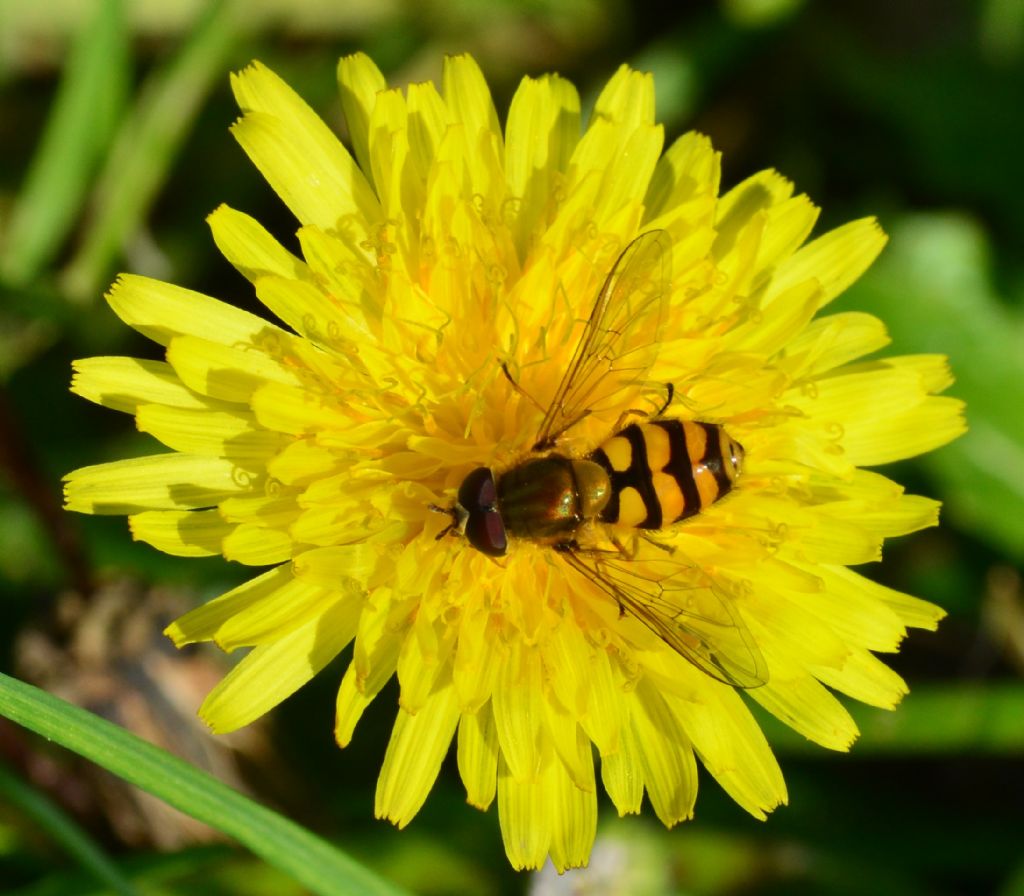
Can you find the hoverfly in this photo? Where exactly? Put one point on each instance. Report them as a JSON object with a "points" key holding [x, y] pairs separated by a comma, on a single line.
{"points": [[646, 476]]}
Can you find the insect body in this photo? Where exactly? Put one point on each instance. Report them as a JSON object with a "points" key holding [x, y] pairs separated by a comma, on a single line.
{"points": [[665, 470], [647, 475]]}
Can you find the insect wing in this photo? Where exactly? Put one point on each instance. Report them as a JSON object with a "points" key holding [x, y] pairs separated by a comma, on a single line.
{"points": [[620, 341], [684, 611]]}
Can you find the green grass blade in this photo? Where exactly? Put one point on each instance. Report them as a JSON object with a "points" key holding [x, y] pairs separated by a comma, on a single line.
{"points": [[89, 102], [289, 847], [77, 843], [148, 144]]}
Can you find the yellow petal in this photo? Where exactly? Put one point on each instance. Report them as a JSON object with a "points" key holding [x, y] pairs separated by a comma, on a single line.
{"points": [[689, 169], [575, 814], [787, 225], [203, 623], [428, 120], [812, 533], [348, 564], [879, 408], [934, 370], [621, 147], [349, 707], [912, 611], [125, 383], [836, 259], [849, 607], [352, 284], [425, 655], [307, 310], [898, 516], [382, 629], [224, 372], [628, 177], [211, 433], [865, 678], [418, 745], [477, 660], [567, 660], [802, 703], [303, 461], [398, 186], [622, 773], [468, 97], [624, 164], [733, 748], [666, 757], [627, 99], [359, 81], [250, 248], [162, 311], [934, 422], [298, 154], [277, 509], [296, 411], [571, 745], [830, 341], [524, 810], [518, 712], [478, 756], [183, 533], [749, 198], [606, 708], [800, 636], [157, 482], [274, 671], [772, 328], [256, 545], [284, 610], [542, 131]]}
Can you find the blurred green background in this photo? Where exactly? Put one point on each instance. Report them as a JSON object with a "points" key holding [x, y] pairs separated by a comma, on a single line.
{"points": [[114, 147]]}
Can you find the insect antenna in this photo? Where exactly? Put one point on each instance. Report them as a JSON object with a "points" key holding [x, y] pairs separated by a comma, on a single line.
{"points": [[671, 393], [520, 389]]}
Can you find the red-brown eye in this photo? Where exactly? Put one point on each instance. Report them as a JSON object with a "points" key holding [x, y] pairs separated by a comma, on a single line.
{"points": [[485, 529]]}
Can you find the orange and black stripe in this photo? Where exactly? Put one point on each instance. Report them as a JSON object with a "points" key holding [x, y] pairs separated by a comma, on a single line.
{"points": [[666, 470]]}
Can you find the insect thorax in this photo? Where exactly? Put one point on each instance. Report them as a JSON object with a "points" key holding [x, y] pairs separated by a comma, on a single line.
{"points": [[550, 497]]}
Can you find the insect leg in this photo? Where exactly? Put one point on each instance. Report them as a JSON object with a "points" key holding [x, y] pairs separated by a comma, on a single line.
{"points": [[668, 549], [452, 526], [620, 424]]}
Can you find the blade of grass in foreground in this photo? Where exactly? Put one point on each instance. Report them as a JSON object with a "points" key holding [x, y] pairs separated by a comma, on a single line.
{"points": [[17, 793], [289, 847]]}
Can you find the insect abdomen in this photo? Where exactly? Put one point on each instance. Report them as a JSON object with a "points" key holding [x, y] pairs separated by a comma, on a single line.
{"points": [[662, 471]]}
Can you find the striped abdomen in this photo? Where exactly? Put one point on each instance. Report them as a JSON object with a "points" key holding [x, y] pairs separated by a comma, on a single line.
{"points": [[662, 471]]}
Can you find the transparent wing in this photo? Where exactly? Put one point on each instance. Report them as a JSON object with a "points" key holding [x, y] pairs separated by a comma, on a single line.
{"points": [[620, 341], [683, 609]]}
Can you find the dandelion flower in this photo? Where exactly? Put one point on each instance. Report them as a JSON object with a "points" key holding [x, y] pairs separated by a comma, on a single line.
{"points": [[448, 270]]}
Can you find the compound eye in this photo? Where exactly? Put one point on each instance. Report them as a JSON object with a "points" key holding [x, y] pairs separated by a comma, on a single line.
{"points": [[478, 491], [485, 529]]}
